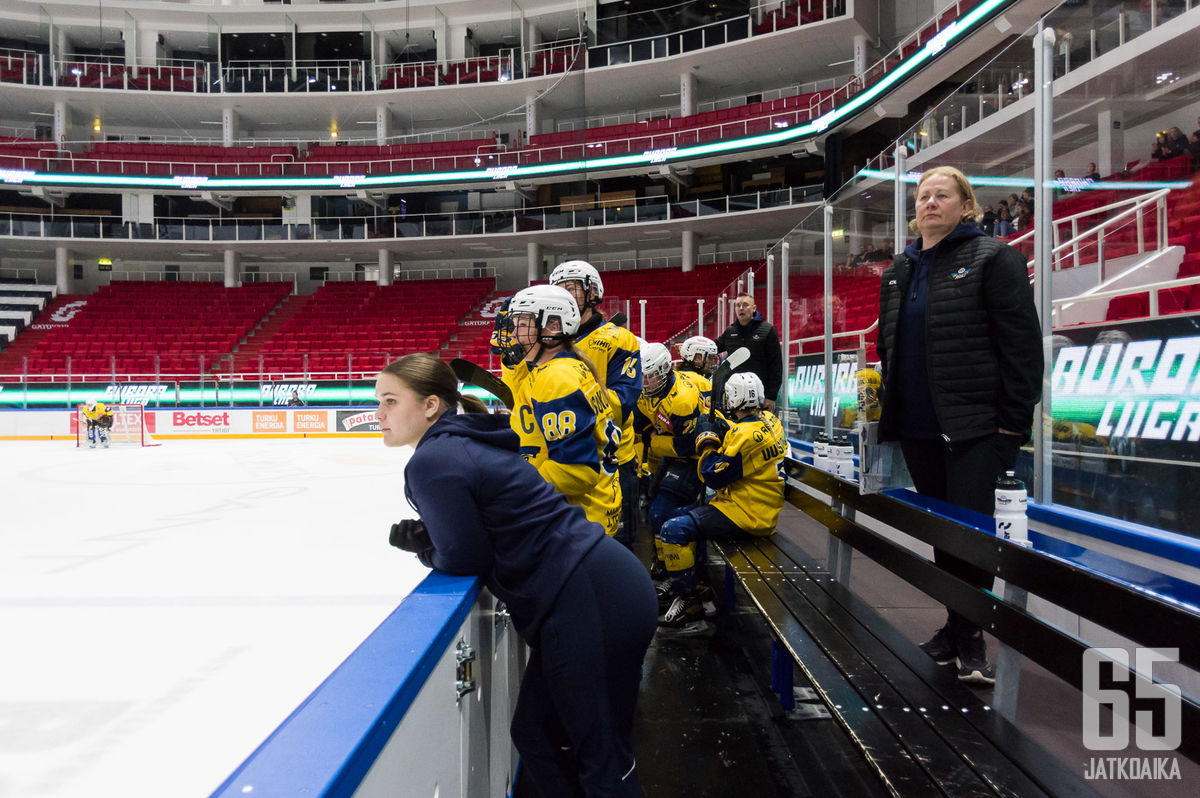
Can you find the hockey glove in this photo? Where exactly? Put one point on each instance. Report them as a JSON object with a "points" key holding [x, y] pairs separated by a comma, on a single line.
{"points": [[710, 435], [410, 535]]}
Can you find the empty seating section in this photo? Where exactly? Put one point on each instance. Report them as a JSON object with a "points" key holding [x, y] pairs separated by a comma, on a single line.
{"points": [[111, 75], [368, 159], [855, 306], [791, 14], [152, 158], [1183, 230], [472, 70], [671, 295], [21, 153], [358, 326], [137, 322]]}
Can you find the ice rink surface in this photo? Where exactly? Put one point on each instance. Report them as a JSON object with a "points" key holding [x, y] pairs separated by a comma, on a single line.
{"points": [[162, 610]]}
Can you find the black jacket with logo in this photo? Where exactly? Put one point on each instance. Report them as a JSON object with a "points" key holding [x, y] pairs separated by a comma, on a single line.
{"points": [[982, 341], [766, 358]]}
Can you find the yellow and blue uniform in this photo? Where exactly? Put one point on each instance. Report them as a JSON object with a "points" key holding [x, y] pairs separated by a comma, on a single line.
{"points": [[567, 428], [747, 473], [669, 422], [94, 414], [703, 385], [615, 353], [99, 419]]}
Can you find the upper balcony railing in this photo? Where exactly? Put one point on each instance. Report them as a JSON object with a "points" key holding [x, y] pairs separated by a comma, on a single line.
{"points": [[349, 228], [308, 76]]}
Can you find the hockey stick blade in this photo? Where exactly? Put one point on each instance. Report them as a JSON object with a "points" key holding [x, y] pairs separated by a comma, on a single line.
{"points": [[476, 375], [736, 358], [619, 319]]}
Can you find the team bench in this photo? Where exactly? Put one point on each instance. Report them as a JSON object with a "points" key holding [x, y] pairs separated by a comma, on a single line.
{"points": [[920, 731]]}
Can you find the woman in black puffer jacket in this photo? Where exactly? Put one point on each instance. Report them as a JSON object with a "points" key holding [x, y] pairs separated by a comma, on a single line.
{"points": [[960, 347]]}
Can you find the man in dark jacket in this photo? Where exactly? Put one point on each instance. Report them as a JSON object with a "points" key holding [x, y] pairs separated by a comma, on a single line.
{"points": [[755, 333]]}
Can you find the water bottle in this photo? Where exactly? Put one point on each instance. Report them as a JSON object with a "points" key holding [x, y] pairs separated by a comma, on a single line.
{"points": [[1011, 502], [821, 452], [844, 460]]}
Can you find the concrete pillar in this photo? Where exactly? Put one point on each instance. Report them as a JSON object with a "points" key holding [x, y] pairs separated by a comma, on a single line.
{"points": [[860, 55], [232, 261], [533, 257], [147, 49], [383, 50], [62, 270], [457, 46], [230, 124], [383, 125], [385, 266], [441, 35], [688, 250], [687, 93], [62, 122], [533, 116], [1110, 141]]}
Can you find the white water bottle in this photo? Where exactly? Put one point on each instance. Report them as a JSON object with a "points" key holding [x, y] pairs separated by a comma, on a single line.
{"points": [[821, 452], [1011, 502], [843, 464]]}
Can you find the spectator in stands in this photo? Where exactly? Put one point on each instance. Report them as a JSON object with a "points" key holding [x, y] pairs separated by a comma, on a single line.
{"points": [[1092, 173], [1004, 220], [1059, 177], [565, 418], [1177, 143], [739, 456], [960, 348], [1194, 148], [988, 222], [1024, 218], [614, 352], [295, 401], [1159, 152], [583, 603], [751, 330]]}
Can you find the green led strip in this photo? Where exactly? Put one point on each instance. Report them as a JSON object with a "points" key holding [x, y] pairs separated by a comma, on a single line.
{"points": [[1023, 182], [954, 31]]}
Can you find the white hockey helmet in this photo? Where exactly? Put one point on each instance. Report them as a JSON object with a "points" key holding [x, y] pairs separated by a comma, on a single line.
{"points": [[697, 345], [656, 369], [584, 272], [547, 302], [743, 391], [91, 404]]}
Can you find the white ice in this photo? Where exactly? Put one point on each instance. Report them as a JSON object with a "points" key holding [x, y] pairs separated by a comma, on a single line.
{"points": [[163, 609]]}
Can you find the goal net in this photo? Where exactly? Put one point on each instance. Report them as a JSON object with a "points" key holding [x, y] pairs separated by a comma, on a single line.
{"points": [[128, 427]]}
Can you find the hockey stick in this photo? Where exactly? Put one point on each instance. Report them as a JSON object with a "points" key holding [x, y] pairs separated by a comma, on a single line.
{"points": [[619, 318], [472, 374], [736, 358]]}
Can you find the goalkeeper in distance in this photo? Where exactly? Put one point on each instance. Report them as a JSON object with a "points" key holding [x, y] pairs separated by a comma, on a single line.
{"points": [[99, 421]]}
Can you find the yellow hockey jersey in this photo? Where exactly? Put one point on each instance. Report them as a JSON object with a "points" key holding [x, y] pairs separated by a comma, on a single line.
{"points": [[96, 413], [671, 418], [703, 385], [615, 353], [567, 428], [747, 473]]}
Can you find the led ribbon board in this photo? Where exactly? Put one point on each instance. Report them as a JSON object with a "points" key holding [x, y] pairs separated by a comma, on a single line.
{"points": [[951, 34]]}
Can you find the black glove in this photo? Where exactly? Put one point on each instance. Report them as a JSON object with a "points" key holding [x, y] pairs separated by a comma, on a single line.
{"points": [[410, 535], [710, 434]]}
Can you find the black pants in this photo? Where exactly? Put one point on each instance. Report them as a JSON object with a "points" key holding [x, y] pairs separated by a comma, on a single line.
{"points": [[573, 724], [963, 473], [627, 476]]}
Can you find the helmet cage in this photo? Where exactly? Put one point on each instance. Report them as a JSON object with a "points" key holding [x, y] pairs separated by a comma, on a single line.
{"points": [[656, 370]]}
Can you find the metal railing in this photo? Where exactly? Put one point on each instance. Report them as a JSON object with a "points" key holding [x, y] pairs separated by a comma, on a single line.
{"points": [[350, 228]]}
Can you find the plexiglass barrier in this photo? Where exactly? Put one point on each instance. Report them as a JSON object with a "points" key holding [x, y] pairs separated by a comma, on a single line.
{"points": [[1082, 163]]}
